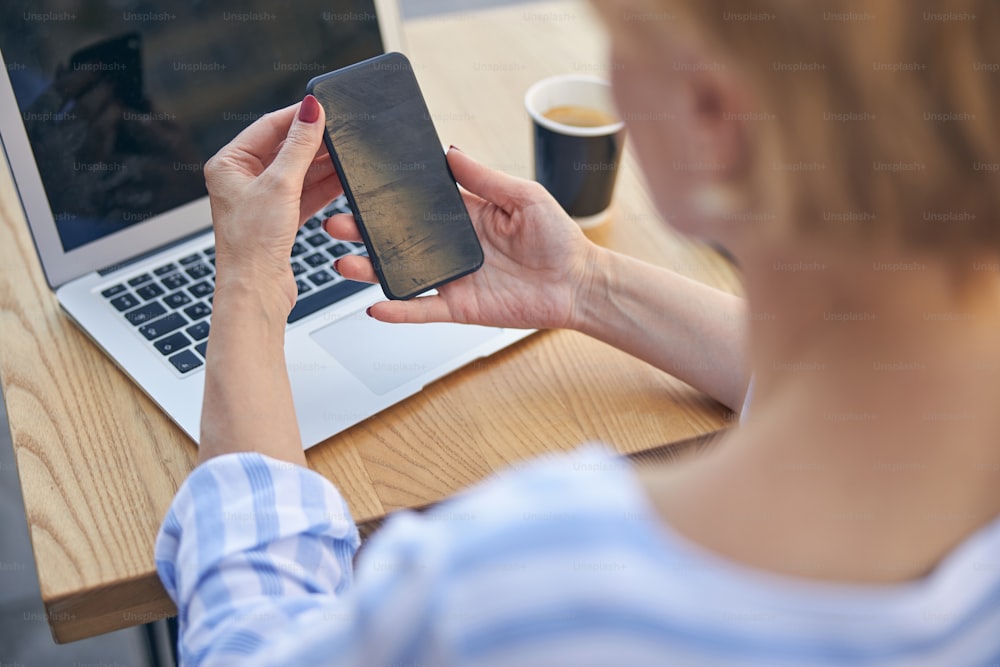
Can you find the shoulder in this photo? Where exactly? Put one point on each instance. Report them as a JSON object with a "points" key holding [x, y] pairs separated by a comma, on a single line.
{"points": [[558, 548], [591, 485], [555, 519]]}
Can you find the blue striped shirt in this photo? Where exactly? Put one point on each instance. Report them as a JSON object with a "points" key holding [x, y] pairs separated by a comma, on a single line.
{"points": [[560, 562]]}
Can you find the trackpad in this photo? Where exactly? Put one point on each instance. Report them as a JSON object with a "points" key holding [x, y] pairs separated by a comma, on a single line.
{"points": [[385, 356]]}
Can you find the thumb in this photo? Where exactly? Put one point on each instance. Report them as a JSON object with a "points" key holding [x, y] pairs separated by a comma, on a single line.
{"points": [[305, 135], [494, 186]]}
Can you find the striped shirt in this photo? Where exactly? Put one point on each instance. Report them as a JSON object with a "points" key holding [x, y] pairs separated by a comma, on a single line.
{"points": [[560, 562]]}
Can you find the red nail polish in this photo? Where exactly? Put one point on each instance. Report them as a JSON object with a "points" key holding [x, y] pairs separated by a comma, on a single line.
{"points": [[335, 263], [368, 311], [455, 147], [309, 110]]}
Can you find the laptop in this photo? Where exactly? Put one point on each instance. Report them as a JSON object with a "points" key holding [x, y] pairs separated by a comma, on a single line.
{"points": [[109, 110]]}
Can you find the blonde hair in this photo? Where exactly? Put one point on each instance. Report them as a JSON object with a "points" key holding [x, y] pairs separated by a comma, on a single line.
{"points": [[873, 121]]}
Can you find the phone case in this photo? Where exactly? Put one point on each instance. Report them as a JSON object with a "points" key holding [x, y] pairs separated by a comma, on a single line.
{"points": [[383, 143]]}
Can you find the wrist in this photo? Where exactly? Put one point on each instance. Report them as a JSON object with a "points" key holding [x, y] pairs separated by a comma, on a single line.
{"points": [[592, 291], [254, 293]]}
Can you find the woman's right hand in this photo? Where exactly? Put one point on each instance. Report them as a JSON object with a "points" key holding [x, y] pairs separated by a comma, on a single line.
{"points": [[538, 266]]}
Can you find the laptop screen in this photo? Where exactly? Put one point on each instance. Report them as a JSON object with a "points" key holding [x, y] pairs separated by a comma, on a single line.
{"points": [[123, 101]]}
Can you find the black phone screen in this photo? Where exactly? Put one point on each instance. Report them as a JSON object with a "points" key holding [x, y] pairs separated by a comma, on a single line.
{"points": [[396, 177]]}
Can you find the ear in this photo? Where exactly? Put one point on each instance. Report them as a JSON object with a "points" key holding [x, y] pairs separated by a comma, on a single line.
{"points": [[719, 122]]}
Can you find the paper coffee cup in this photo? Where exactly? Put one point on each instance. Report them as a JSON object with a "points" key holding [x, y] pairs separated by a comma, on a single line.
{"points": [[576, 163]]}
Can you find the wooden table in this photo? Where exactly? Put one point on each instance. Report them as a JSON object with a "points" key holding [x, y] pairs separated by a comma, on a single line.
{"points": [[99, 463]]}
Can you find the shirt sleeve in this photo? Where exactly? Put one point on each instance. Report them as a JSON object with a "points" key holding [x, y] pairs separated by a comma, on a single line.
{"points": [[257, 555], [250, 546]]}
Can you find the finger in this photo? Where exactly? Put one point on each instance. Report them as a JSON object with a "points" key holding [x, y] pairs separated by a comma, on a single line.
{"points": [[305, 136], [342, 226], [495, 186], [320, 168], [477, 207], [262, 137], [68, 84], [356, 267], [421, 310], [317, 195], [97, 100]]}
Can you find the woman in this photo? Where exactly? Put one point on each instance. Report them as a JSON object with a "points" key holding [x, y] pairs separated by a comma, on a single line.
{"points": [[851, 518]]}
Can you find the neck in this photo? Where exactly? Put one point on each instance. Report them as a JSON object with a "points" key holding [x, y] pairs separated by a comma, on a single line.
{"points": [[872, 421], [902, 339]]}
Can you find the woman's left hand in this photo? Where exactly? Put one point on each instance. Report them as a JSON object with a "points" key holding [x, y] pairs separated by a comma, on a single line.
{"points": [[262, 186]]}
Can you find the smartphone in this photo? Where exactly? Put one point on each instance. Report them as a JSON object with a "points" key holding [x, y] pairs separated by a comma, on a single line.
{"points": [[393, 168]]}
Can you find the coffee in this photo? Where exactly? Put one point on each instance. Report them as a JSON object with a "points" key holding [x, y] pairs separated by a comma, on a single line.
{"points": [[577, 116], [578, 141]]}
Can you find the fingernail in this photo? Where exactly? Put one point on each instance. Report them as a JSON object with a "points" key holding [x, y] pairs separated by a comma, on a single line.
{"points": [[456, 148], [335, 263], [309, 111], [368, 311]]}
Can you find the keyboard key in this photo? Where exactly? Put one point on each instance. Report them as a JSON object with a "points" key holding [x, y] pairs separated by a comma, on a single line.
{"points": [[139, 280], [186, 361], [174, 281], [338, 205], [303, 286], [210, 251], [165, 269], [199, 271], [190, 259], [323, 298], [171, 344], [145, 314], [321, 277], [163, 326], [201, 290], [317, 240], [124, 302], [298, 249], [202, 349], [316, 259], [177, 299], [297, 268], [313, 223], [149, 291], [339, 250], [357, 245], [199, 331], [113, 290], [198, 311]]}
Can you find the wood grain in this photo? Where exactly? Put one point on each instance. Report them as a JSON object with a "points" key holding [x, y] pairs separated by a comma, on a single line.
{"points": [[99, 463], [662, 455]]}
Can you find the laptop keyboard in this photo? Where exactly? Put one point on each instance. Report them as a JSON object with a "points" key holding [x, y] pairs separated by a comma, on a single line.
{"points": [[171, 305]]}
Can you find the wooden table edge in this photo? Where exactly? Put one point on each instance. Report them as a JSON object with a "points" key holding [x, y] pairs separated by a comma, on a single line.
{"points": [[123, 604], [72, 616]]}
